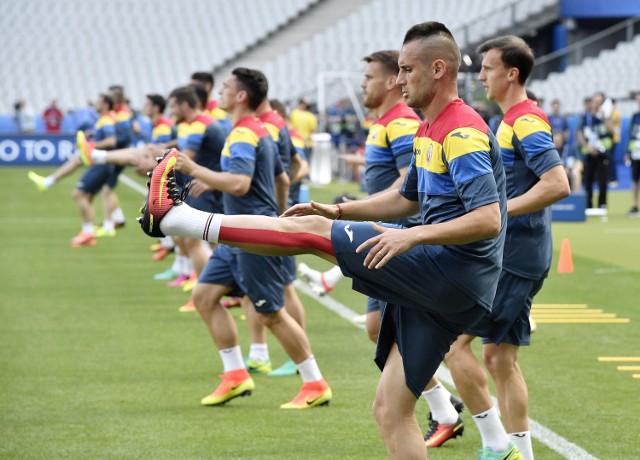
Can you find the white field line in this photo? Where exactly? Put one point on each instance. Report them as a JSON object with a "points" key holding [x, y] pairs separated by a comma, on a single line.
{"points": [[543, 434]]}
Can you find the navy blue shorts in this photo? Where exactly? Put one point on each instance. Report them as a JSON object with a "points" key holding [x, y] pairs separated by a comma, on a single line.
{"points": [[289, 269], [94, 178], [222, 268], [413, 279], [423, 338], [375, 305], [425, 311], [509, 319], [207, 202], [261, 278], [112, 181]]}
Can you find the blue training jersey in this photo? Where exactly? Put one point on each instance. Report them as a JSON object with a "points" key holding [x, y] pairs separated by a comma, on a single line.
{"points": [[528, 152], [456, 168], [163, 131], [104, 128], [389, 148], [124, 126], [250, 150]]}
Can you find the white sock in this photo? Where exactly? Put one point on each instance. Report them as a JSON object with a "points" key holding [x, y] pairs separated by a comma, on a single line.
{"points": [[98, 157], [231, 358], [439, 401], [88, 229], [177, 264], [259, 352], [491, 430], [183, 220], [109, 225], [166, 242], [331, 277], [309, 370], [49, 181], [522, 441], [187, 266], [118, 216]]}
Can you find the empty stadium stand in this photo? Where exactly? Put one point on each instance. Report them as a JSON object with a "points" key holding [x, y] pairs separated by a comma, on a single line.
{"points": [[72, 49]]}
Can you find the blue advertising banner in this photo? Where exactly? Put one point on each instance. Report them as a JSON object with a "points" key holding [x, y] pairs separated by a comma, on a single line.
{"points": [[35, 149], [570, 209]]}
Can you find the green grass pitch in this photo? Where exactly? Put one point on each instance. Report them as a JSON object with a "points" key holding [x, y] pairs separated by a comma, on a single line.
{"points": [[97, 363]]}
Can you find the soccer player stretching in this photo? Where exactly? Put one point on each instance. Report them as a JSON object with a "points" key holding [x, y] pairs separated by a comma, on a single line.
{"points": [[438, 278]]}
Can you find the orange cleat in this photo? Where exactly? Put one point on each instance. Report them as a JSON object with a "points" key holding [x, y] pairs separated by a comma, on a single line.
{"points": [[234, 384], [312, 394], [83, 239], [188, 307]]}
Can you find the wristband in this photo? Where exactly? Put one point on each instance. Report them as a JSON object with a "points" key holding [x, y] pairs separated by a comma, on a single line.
{"points": [[339, 212]]}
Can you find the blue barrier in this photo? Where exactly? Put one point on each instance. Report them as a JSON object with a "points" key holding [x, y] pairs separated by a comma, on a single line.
{"points": [[36, 149], [570, 209]]}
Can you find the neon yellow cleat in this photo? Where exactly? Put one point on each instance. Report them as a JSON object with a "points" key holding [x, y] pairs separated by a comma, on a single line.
{"points": [[234, 384], [312, 394], [257, 367], [38, 180], [84, 148], [512, 453], [101, 233]]}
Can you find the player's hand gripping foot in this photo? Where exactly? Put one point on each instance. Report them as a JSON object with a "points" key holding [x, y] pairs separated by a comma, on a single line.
{"points": [[312, 394], [163, 194], [234, 383]]}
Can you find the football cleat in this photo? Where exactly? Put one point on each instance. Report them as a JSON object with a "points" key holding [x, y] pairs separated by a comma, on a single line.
{"points": [[187, 307], [512, 453], [234, 384], [38, 180], [163, 194], [190, 283], [179, 281], [155, 247], [288, 368], [101, 232], [457, 404], [83, 239], [315, 279], [230, 302], [162, 253], [439, 433], [312, 394], [84, 147], [257, 367], [167, 275]]}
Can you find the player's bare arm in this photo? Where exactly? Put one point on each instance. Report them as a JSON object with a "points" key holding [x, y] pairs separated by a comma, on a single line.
{"points": [[384, 206], [479, 224], [553, 186], [235, 184]]}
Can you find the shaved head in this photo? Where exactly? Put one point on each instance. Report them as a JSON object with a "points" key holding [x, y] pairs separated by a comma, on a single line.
{"points": [[436, 42]]}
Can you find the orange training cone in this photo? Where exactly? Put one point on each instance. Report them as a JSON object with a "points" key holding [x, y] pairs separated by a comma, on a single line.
{"points": [[565, 262]]}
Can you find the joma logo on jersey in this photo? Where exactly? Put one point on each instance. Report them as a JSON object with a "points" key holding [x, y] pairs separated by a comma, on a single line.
{"points": [[429, 153], [460, 135]]}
